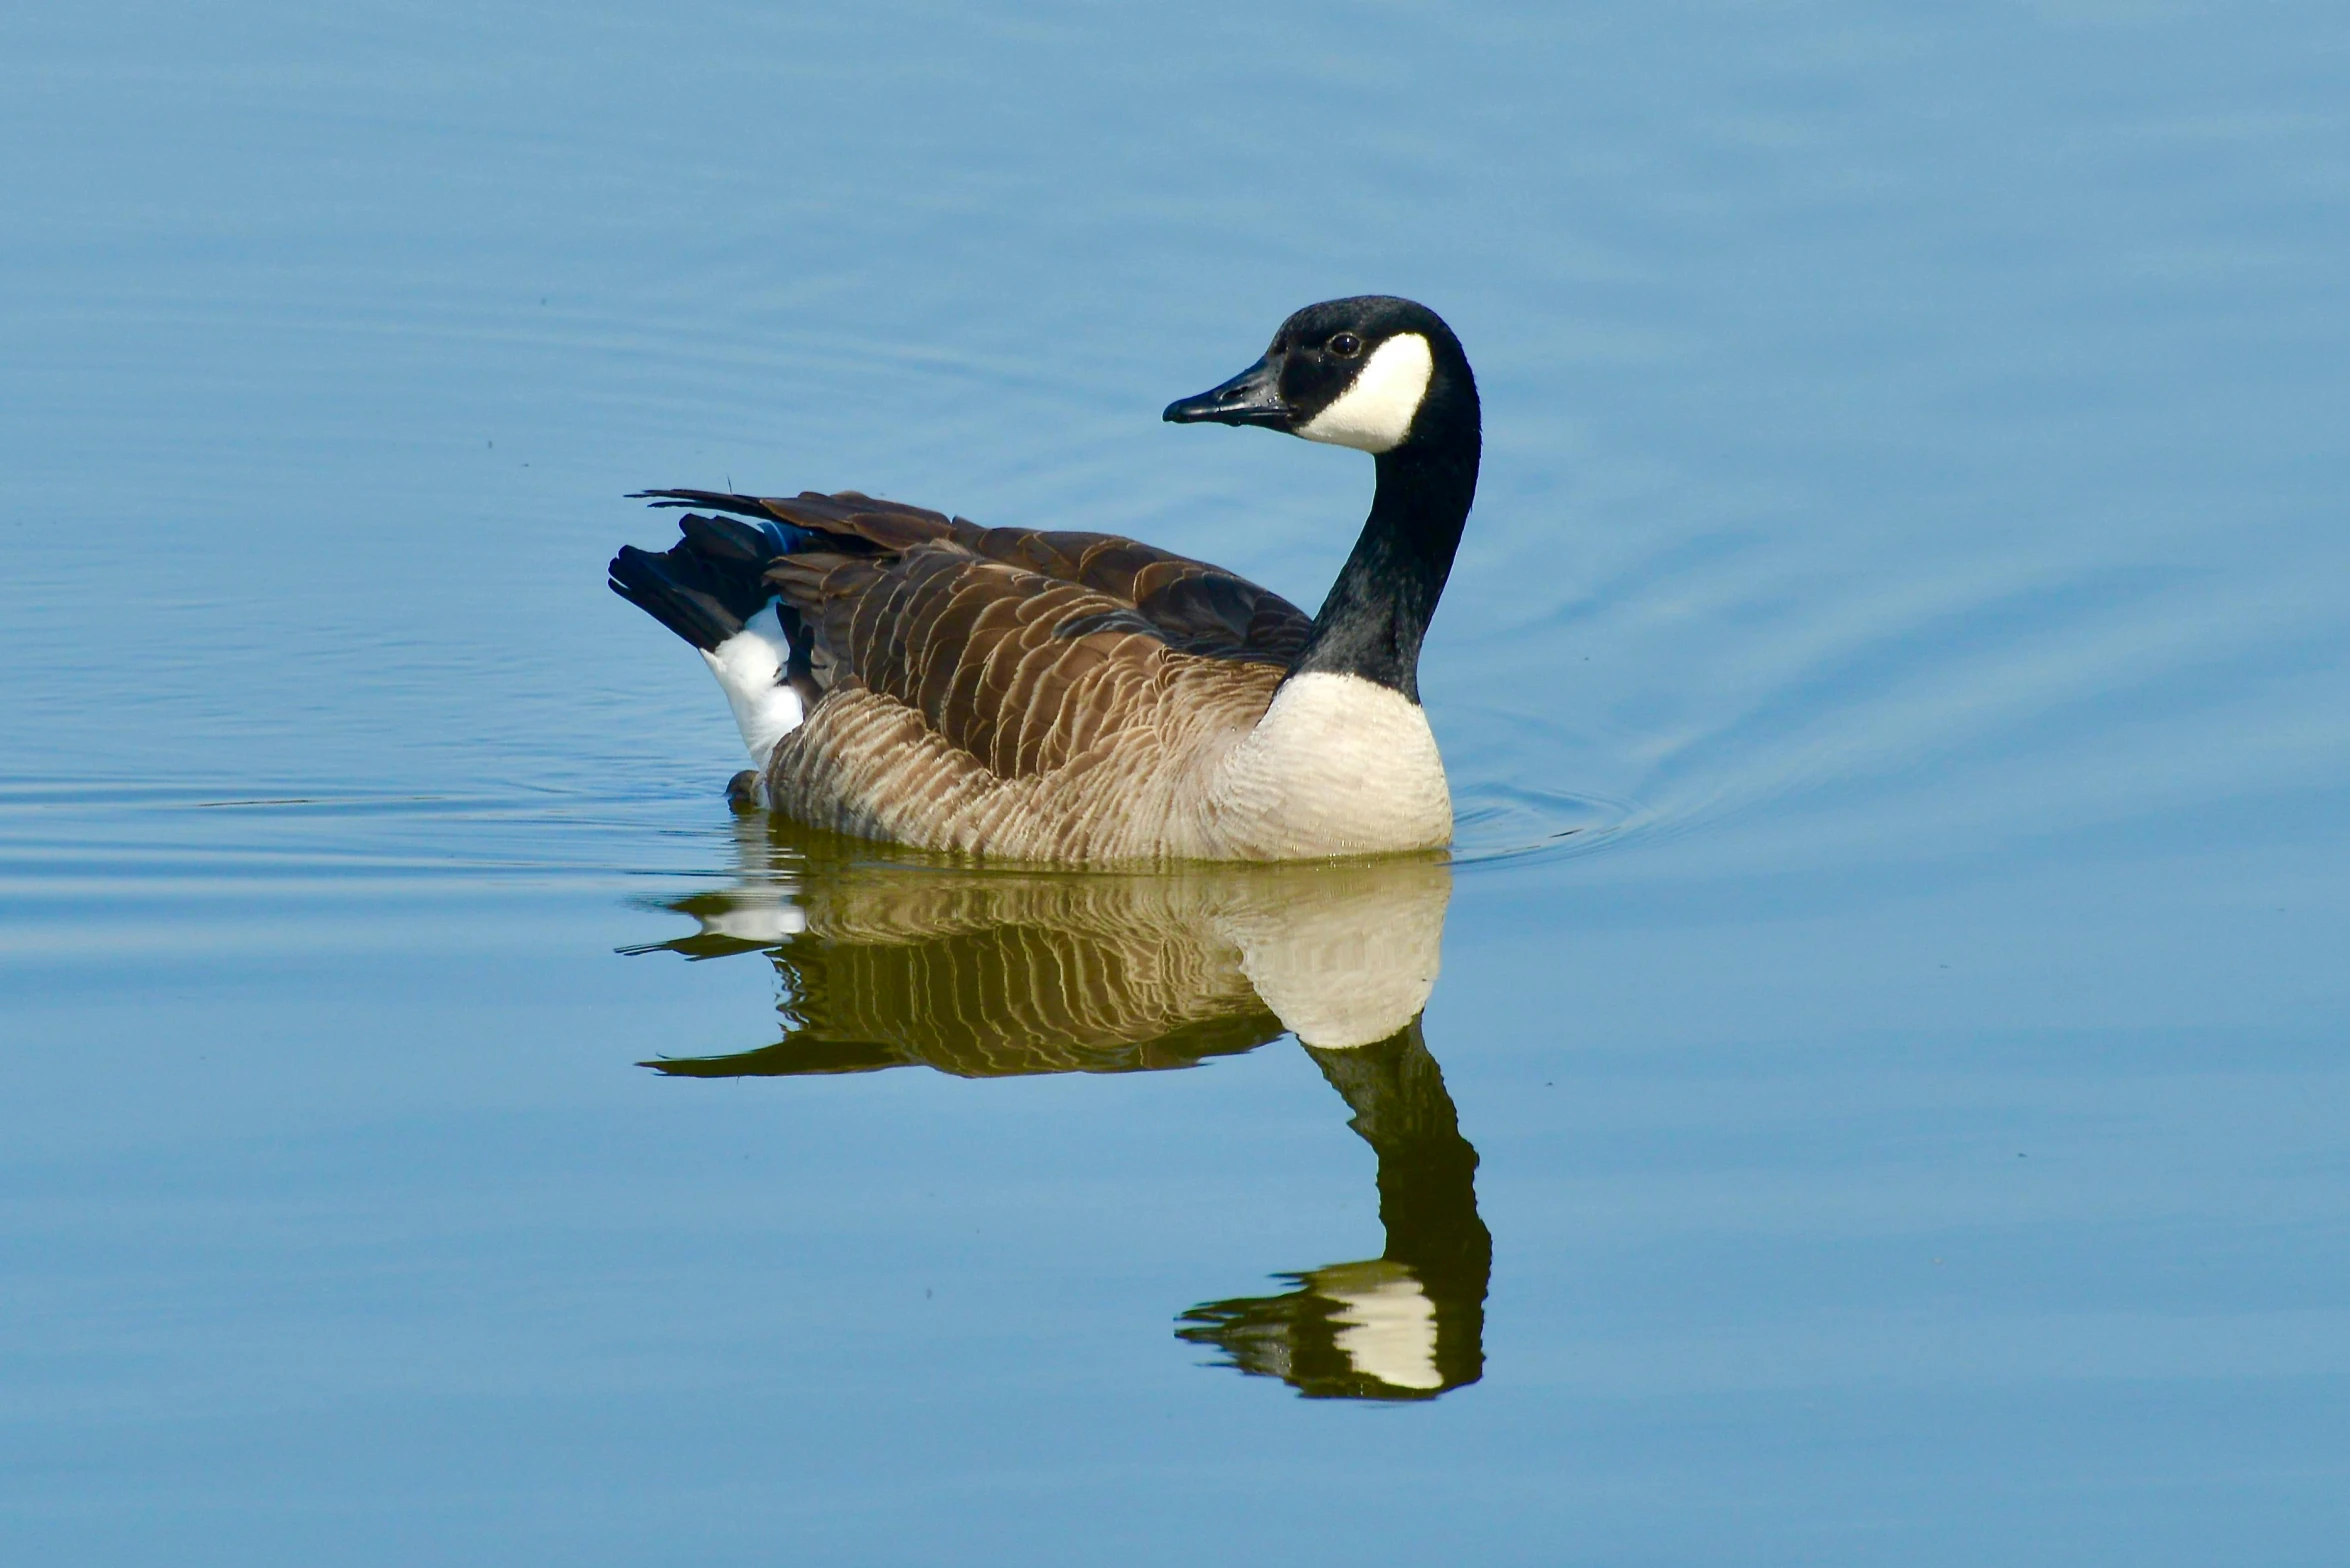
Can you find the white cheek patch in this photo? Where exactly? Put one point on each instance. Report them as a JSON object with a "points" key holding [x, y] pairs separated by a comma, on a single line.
{"points": [[1375, 414], [749, 667]]}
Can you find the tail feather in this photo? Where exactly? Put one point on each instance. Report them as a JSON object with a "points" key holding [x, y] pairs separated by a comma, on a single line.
{"points": [[715, 500], [680, 592], [710, 589], [751, 541]]}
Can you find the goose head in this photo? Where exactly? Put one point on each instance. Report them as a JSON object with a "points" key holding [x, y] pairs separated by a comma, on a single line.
{"points": [[1372, 372]]}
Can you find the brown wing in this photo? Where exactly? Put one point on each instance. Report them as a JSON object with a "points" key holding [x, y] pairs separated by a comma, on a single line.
{"points": [[1190, 605], [1022, 648], [1020, 670]]}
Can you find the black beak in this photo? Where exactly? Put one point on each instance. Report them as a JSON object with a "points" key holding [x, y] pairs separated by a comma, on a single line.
{"points": [[1251, 398]]}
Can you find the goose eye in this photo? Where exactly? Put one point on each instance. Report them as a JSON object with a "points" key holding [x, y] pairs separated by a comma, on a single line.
{"points": [[1345, 345]]}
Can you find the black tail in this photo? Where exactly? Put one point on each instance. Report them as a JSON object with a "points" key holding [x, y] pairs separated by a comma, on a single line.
{"points": [[711, 581]]}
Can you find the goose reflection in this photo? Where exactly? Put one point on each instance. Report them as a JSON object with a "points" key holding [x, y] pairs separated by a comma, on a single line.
{"points": [[988, 974]]}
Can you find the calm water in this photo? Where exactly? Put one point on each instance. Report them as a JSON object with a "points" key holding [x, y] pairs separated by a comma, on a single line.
{"points": [[1884, 1098]]}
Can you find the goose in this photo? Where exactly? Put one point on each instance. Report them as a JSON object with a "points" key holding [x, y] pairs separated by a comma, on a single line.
{"points": [[1080, 698]]}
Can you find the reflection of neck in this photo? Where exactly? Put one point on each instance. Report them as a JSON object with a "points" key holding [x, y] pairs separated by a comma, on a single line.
{"points": [[1427, 1170]]}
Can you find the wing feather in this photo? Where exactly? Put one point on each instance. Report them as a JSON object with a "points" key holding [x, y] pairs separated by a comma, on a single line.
{"points": [[1019, 647]]}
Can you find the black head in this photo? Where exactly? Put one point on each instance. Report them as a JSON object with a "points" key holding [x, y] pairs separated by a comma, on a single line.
{"points": [[1373, 372]]}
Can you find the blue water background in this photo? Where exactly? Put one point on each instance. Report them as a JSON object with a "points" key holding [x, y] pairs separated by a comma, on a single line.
{"points": [[1909, 568]]}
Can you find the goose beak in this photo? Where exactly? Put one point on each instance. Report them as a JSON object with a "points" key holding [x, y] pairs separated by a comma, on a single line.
{"points": [[1251, 398]]}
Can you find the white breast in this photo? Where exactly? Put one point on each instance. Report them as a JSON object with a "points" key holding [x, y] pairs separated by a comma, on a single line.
{"points": [[1337, 766], [1347, 957]]}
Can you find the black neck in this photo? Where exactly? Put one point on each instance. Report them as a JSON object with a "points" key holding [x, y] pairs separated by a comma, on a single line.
{"points": [[1378, 610]]}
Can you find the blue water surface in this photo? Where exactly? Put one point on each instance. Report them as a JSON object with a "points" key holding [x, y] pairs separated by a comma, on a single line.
{"points": [[1895, 687]]}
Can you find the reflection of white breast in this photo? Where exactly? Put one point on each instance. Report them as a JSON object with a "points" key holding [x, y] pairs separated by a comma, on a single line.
{"points": [[1346, 961], [1387, 1329]]}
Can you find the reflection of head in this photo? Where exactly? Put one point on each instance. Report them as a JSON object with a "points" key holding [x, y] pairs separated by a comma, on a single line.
{"points": [[1349, 1331], [1411, 1323]]}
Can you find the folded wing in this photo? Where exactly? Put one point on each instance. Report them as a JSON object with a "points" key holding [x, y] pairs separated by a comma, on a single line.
{"points": [[1020, 647]]}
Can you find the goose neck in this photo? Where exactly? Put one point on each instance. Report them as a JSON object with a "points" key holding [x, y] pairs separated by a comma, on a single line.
{"points": [[1377, 613]]}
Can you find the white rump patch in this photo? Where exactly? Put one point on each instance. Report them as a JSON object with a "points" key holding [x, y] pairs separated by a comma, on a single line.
{"points": [[1354, 963], [1375, 413], [749, 666]]}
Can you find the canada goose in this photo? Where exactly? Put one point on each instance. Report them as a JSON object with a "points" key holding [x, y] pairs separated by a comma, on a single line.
{"points": [[1077, 697]]}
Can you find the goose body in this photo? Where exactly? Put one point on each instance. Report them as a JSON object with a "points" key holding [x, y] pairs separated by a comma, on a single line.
{"points": [[903, 675]]}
